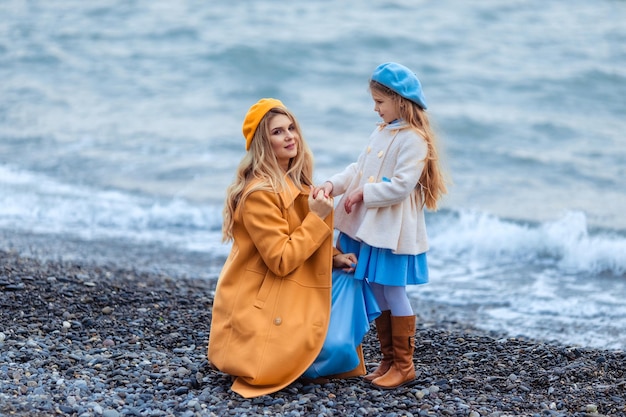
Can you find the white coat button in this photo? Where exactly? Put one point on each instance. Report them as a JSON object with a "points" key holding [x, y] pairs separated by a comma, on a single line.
{"points": [[278, 321], [370, 179], [380, 154]]}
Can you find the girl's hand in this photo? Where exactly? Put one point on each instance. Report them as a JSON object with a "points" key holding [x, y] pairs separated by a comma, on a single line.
{"points": [[355, 197]]}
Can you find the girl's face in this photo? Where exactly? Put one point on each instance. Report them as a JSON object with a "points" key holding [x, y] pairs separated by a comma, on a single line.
{"points": [[385, 107], [284, 139]]}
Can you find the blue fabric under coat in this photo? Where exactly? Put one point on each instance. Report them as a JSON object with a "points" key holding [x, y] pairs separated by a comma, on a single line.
{"points": [[353, 308], [382, 266]]}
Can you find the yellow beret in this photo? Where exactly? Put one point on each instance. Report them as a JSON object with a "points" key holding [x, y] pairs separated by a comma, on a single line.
{"points": [[254, 116]]}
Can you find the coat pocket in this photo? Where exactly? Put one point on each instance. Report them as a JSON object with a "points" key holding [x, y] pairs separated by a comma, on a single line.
{"points": [[264, 290]]}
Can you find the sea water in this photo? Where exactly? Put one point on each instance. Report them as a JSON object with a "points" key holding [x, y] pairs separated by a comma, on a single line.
{"points": [[120, 128]]}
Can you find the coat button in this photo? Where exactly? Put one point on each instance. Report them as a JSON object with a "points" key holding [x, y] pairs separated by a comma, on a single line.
{"points": [[369, 149], [278, 321], [370, 179], [380, 154]]}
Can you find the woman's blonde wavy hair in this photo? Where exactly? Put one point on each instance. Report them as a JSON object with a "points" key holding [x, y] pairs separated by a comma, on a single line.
{"points": [[432, 180], [260, 163]]}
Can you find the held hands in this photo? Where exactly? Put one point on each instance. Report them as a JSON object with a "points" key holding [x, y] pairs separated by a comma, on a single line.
{"points": [[326, 188], [320, 204]]}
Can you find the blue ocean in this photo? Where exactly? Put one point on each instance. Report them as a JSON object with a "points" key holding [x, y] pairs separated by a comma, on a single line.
{"points": [[120, 129]]}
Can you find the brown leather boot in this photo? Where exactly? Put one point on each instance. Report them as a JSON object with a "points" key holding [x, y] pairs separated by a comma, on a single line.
{"points": [[402, 371], [383, 330]]}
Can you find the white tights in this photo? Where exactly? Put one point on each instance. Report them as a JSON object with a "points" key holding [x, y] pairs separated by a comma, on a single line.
{"points": [[392, 298]]}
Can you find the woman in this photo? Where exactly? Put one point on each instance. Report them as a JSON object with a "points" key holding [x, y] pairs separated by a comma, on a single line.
{"points": [[273, 298]]}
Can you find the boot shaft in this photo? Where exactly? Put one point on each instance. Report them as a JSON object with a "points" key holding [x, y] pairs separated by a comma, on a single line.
{"points": [[402, 371], [383, 332]]}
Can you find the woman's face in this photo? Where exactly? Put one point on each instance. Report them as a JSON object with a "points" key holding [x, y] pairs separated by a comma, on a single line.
{"points": [[284, 139], [385, 107]]}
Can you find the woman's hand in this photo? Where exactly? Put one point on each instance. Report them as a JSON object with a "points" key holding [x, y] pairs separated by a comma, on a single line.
{"points": [[320, 204], [345, 261], [355, 197]]}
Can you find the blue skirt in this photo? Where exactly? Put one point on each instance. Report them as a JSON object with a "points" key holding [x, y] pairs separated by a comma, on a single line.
{"points": [[382, 266], [353, 309]]}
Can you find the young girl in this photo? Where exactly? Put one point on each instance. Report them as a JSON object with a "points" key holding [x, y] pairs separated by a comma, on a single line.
{"points": [[381, 213]]}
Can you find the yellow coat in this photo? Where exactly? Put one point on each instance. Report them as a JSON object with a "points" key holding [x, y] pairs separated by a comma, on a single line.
{"points": [[273, 297]]}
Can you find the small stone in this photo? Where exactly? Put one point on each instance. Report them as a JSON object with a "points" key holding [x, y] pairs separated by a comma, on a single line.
{"points": [[14, 287], [66, 409], [433, 389], [107, 310], [97, 409], [591, 408]]}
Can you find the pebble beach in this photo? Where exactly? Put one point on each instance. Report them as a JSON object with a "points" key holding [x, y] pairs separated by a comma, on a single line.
{"points": [[83, 339]]}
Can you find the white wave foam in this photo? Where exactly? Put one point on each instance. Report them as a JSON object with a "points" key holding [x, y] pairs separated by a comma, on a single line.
{"points": [[564, 243], [578, 251], [37, 203]]}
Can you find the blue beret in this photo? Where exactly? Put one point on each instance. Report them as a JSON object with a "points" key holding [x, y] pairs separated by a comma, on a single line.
{"points": [[401, 80]]}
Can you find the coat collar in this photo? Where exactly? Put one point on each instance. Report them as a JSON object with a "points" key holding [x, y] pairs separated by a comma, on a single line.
{"points": [[397, 124], [288, 195]]}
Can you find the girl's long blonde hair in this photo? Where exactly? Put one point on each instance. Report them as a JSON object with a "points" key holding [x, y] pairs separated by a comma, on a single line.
{"points": [[432, 180], [260, 163]]}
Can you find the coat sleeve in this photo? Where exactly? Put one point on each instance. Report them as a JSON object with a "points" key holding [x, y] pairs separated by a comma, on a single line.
{"points": [[342, 179], [406, 174], [282, 251]]}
